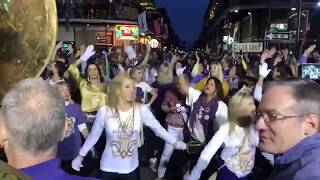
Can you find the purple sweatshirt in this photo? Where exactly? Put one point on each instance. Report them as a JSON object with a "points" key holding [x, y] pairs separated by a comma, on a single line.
{"points": [[300, 162], [50, 170]]}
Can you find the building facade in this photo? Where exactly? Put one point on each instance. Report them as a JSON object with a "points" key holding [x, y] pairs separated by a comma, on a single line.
{"points": [[98, 22], [271, 22]]}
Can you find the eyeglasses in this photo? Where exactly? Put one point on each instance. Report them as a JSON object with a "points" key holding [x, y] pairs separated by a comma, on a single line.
{"points": [[269, 117]]}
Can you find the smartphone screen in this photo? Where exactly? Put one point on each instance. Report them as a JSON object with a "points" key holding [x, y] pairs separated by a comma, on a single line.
{"points": [[65, 46], [310, 71]]}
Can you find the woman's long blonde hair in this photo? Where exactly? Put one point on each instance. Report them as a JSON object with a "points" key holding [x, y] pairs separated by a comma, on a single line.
{"points": [[238, 103], [219, 74], [115, 86]]}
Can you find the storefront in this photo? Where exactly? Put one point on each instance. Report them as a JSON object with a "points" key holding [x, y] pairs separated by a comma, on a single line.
{"points": [[114, 35]]}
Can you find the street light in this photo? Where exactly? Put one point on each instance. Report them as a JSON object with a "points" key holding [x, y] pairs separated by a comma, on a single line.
{"points": [[250, 26], [318, 4]]}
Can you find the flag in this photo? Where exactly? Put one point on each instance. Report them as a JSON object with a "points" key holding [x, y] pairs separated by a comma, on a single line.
{"points": [[165, 32], [158, 26], [142, 20]]}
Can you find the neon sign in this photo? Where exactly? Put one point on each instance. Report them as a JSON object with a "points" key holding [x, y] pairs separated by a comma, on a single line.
{"points": [[127, 32]]}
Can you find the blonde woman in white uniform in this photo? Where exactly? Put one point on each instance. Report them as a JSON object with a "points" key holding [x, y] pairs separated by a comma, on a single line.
{"points": [[122, 120], [240, 140]]}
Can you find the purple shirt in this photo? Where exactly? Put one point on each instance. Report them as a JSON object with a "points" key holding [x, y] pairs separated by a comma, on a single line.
{"points": [[50, 170], [303, 59], [69, 148]]}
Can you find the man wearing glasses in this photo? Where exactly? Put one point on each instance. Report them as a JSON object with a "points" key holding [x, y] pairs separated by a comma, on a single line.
{"points": [[288, 123]]}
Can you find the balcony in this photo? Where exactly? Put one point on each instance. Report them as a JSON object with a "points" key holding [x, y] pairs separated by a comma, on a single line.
{"points": [[97, 10]]}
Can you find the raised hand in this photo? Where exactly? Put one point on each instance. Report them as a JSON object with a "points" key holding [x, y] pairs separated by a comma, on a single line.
{"points": [[263, 69], [267, 54], [87, 53], [59, 45], [277, 60], [179, 71], [174, 59], [197, 57], [272, 51], [309, 50]]}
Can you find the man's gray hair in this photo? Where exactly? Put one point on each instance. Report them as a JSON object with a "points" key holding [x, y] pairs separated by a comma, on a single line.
{"points": [[34, 116], [305, 92]]}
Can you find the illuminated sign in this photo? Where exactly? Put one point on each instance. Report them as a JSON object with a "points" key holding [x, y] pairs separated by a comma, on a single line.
{"points": [[104, 38], [153, 43], [228, 40], [247, 47], [279, 27], [127, 32]]}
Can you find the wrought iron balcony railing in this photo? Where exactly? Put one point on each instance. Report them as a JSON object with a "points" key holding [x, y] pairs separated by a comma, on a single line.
{"points": [[96, 11]]}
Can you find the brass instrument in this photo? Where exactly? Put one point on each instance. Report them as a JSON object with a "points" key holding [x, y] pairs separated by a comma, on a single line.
{"points": [[28, 30]]}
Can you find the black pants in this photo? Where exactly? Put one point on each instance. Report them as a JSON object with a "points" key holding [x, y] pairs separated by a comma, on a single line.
{"points": [[212, 167], [180, 160], [134, 175], [153, 145]]}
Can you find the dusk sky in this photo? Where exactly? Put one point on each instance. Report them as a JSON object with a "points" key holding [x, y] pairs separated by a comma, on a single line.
{"points": [[186, 17]]}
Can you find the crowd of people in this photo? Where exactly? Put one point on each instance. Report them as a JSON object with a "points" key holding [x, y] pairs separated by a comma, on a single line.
{"points": [[185, 115]]}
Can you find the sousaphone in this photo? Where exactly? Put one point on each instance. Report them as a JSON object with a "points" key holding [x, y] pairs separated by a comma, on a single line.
{"points": [[28, 30]]}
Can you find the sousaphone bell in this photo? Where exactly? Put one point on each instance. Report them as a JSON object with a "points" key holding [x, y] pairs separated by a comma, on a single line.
{"points": [[28, 30]]}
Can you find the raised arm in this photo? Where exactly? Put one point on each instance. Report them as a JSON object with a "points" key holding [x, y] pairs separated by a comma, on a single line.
{"points": [[195, 69], [183, 81], [74, 72], [54, 53], [263, 73], [173, 61], [146, 57], [303, 59], [73, 68]]}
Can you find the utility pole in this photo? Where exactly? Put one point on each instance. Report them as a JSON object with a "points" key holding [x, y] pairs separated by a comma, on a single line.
{"points": [[298, 28], [266, 45]]}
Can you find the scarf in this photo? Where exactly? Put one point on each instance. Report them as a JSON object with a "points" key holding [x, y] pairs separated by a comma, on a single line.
{"points": [[204, 112]]}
